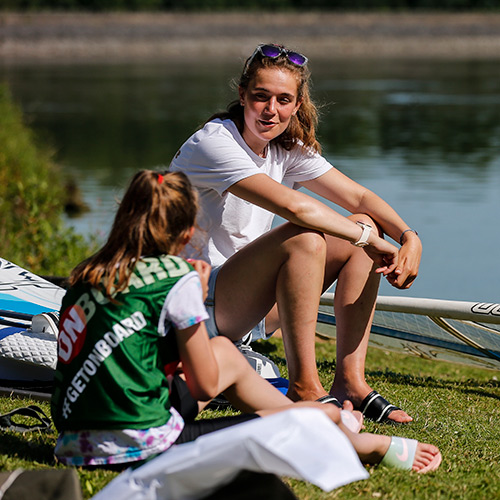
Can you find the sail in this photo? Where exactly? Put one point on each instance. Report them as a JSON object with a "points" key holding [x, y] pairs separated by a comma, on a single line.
{"points": [[464, 332]]}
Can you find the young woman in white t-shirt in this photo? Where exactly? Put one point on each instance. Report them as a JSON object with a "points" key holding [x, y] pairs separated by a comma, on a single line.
{"points": [[246, 164]]}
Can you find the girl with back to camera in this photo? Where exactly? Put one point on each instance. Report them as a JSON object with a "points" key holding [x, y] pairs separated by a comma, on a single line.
{"points": [[132, 321], [246, 164]]}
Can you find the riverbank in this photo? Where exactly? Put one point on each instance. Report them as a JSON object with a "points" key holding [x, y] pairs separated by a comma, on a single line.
{"points": [[32, 194], [120, 37]]}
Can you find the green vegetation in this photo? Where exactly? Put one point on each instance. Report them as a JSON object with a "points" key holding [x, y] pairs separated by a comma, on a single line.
{"points": [[276, 5], [454, 406], [32, 233]]}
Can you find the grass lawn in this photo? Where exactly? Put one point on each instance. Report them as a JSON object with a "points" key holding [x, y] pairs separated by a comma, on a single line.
{"points": [[455, 407]]}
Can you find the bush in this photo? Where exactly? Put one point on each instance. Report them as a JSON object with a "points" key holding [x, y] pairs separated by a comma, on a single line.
{"points": [[32, 232]]}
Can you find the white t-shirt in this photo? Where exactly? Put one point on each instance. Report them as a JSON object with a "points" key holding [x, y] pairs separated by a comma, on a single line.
{"points": [[215, 158]]}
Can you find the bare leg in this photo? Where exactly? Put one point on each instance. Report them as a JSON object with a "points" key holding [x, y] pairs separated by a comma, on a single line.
{"points": [[371, 449], [285, 266], [251, 393], [290, 266], [355, 296], [243, 386]]}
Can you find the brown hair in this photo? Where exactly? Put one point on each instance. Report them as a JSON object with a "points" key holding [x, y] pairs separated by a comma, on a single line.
{"points": [[302, 127], [155, 213]]}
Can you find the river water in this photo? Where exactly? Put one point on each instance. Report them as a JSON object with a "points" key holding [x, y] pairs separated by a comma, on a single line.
{"points": [[425, 135]]}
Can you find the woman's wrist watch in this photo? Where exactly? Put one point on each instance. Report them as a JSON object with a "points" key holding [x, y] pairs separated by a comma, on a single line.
{"points": [[363, 239]]}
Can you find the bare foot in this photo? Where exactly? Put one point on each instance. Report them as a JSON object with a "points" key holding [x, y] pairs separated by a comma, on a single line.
{"points": [[427, 458], [296, 393], [401, 453], [351, 418], [399, 417], [409, 454]]}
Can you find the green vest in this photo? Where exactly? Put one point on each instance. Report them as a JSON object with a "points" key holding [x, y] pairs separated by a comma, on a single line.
{"points": [[110, 370]]}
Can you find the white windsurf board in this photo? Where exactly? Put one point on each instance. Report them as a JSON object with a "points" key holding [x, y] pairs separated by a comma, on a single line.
{"points": [[28, 348]]}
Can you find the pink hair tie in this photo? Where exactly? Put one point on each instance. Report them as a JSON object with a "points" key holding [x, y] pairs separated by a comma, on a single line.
{"points": [[160, 178]]}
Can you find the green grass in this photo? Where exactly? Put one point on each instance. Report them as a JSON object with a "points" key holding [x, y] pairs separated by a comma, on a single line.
{"points": [[455, 407]]}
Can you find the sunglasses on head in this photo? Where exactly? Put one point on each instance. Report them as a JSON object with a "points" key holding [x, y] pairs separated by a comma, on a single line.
{"points": [[274, 51]]}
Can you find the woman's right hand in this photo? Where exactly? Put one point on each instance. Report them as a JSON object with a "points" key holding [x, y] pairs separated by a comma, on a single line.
{"points": [[383, 253], [203, 269]]}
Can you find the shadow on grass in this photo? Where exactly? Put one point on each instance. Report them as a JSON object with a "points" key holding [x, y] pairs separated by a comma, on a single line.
{"points": [[265, 348], [28, 446], [469, 386]]}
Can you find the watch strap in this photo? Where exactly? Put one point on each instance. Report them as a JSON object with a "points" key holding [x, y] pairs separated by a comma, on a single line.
{"points": [[365, 234]]}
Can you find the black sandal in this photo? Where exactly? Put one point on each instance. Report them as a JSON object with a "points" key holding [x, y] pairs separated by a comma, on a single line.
{"points": [[377, 408], [330, 399]]}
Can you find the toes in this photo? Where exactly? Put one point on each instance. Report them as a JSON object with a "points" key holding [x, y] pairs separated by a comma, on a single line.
{"points": [[399, 416], [427, 458], [347, 405]]}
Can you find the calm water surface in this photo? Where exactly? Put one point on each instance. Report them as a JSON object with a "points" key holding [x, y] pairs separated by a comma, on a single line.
{"points": [[423, 135]]}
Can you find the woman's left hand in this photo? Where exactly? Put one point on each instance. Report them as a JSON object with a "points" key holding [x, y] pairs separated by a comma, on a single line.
{"points": [[408, 264]]}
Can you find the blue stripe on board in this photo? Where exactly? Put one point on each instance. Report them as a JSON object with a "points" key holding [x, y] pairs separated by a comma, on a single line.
{"points": [[11, 303], [419, 339], [50, 304], [5, 332]]}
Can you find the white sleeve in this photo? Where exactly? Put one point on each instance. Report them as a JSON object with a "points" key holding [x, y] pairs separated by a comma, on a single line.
{"points": [[184, 305], [213, 158], [303, 165]]}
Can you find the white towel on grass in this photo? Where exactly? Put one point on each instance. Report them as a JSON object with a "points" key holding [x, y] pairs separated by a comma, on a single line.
{"points": [[301, 443]]}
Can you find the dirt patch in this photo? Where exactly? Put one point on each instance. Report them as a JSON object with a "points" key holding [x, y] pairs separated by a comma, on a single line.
{"points": [[53, 37]]}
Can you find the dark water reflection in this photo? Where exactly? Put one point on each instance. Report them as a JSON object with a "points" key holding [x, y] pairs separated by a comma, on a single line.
{"points": [[424, 135]]}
